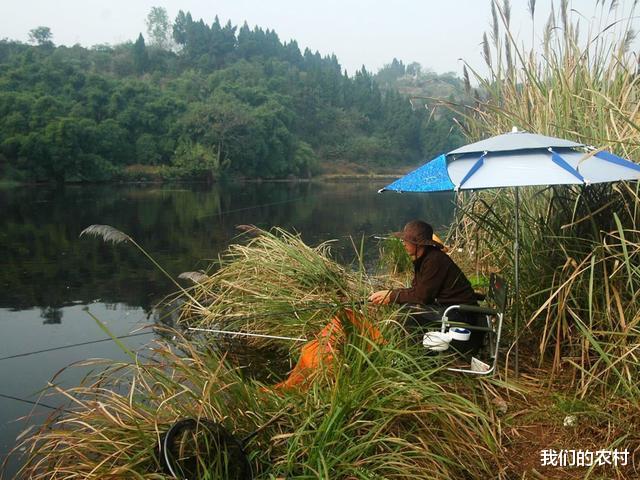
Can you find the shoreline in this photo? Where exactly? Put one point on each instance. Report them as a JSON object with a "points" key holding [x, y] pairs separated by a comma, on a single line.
{"points": [[8, 184]]}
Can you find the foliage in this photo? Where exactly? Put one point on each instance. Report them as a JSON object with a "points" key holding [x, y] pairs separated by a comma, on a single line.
{"points": [[41, 36], [140, 55], [158, 27], [394, 257], [427, 90], [193, 160], [265, 108]]}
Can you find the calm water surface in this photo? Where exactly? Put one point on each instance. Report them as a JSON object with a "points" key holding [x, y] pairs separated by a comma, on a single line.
{"points": [[49, 277]]}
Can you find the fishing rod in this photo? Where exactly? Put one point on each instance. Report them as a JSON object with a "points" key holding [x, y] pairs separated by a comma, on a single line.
{"points": [[277, 337], [310, 307], [245, 334]]}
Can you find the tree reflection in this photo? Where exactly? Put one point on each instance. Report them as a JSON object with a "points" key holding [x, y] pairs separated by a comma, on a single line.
{"points": [[51, 315], [45, 264]]}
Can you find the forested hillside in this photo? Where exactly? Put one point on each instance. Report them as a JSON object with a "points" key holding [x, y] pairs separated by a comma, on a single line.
{"points": [[199, 100]]}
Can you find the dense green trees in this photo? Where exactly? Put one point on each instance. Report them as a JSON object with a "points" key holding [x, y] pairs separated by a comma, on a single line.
{"points": [[218, 100]]}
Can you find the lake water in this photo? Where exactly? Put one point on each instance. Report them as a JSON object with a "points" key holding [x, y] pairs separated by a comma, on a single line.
{"points": [[49, 277]]}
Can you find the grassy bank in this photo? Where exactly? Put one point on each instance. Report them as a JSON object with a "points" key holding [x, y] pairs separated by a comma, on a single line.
{"points": [[377, 410], [580, 245]]}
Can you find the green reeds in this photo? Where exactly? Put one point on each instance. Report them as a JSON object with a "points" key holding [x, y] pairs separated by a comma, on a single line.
{"points": [[119, 414], [382, 411], [389, 413], [376, 411], [393, 256]]}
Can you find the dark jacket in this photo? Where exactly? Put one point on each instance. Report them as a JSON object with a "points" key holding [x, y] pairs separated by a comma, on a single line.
{"points": [[437, 280]]}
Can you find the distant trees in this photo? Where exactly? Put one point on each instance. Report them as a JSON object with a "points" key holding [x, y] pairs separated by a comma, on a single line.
{"points": [[227, 101], [202, 45], [41, 36], [159, 28], [140, 55]]}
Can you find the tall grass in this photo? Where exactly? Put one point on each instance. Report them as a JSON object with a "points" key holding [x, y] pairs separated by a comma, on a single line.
{"points": [[273, 284], [579, 245], [381, 410], [380, 414]]}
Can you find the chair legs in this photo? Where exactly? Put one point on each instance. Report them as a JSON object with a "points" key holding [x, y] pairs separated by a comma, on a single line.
{"points": [[478, 367], [488, 322]]}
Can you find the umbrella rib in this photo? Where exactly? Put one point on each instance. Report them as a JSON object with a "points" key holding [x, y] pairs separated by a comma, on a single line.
{"points": [[473, 169], [611, 158], [558, 160]]}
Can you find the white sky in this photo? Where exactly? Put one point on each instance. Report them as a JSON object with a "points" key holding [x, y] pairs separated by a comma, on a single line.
{"points": [[435, 33]]}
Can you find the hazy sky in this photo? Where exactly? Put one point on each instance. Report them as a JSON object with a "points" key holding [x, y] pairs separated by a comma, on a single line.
{"points": [[435, 33]]}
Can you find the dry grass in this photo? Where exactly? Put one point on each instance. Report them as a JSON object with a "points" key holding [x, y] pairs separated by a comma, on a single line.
{"points": [[380, 411], [274, 284], [579, 246]]}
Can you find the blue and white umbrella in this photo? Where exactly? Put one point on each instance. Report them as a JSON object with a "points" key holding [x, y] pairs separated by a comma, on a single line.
{"points": [[513, 160]]}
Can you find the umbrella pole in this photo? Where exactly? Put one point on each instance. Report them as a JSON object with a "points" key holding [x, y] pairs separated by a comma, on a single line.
{"points": [[516, 284]]}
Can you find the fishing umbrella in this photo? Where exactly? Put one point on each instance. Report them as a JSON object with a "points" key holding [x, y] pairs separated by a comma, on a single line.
{"points": [[516, 159]]}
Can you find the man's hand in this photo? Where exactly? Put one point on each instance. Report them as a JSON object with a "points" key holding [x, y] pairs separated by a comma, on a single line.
{"points": [[381, 297]]}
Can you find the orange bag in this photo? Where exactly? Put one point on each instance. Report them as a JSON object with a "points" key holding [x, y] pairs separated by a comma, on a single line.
{"points": [[319, 353]]}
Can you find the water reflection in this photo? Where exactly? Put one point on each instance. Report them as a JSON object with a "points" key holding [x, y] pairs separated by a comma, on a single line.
{"points": [[44, 263], [51, 315]]}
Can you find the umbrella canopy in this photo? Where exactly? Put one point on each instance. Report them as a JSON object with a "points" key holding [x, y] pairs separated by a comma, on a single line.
{"points": [[513, 160]]}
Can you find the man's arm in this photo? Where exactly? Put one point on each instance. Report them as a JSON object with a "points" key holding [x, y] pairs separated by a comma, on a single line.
{"points": [[428, 282]]}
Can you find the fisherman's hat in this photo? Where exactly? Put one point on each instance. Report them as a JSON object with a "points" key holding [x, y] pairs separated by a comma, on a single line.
{"points": [[418, 233]]}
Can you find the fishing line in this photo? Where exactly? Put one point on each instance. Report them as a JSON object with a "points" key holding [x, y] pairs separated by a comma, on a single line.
{"points": [[234, 210], [74, 345], [31, 402], [315, 306], [244, 334], [277, 337]]}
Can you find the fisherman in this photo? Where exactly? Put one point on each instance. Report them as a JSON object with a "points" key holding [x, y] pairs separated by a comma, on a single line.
{"points": [[437, 283]]}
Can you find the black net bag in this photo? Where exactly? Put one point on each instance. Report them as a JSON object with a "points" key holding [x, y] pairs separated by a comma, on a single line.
{"points": [[194, 449]]}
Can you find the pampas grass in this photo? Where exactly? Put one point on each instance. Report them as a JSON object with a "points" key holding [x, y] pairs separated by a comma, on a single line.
{"points": [[579, 246], [111, 234], [195, 277], [107, 233]]}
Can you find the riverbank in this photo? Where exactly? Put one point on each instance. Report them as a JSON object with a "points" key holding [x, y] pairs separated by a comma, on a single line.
{"points": [[49, 274], [146, 174]]}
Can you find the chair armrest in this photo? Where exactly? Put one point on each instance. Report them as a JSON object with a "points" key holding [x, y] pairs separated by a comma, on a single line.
{"points": [[477, 309], [468, 326], [479, 296]]}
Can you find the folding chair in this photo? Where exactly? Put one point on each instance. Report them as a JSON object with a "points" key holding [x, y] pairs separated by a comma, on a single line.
{"points": [[489, 320]]}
